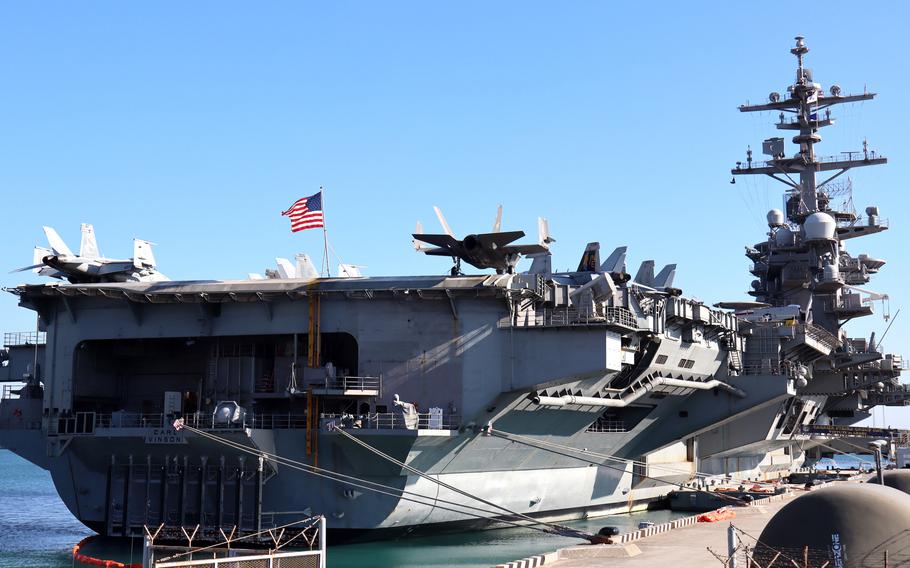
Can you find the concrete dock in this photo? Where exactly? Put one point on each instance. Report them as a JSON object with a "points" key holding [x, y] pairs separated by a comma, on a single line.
{"points": [[682, 547]]}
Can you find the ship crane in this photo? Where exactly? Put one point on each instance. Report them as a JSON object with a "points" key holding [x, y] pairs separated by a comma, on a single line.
{"points": [[874, 297]]}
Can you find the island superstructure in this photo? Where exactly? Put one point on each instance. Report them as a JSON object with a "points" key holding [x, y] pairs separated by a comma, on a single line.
{"points": [[472, 380], [811, 284]]}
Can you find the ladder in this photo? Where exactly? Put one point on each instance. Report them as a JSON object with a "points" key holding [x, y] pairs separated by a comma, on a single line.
{"points": [[735, 359]]}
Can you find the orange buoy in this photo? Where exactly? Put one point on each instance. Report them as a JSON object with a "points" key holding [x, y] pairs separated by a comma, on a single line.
{"points": [[91, 560]]}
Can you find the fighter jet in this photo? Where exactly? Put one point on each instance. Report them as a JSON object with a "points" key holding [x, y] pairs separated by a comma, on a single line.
{"points": [[601, 279], [481, 250], [304, 269], [89, 266]]}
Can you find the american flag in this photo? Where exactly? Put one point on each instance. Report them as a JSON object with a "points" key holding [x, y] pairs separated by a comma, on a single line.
{"points": [[306, 213]]}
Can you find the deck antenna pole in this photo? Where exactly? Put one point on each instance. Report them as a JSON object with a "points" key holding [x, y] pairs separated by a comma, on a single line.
{"points": [[325, 236], [34, 377]]}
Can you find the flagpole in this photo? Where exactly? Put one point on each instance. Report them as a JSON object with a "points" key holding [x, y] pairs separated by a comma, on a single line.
{"points": [[325, 235]]}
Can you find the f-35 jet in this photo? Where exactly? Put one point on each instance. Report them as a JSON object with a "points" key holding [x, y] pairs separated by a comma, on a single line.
{"points": [[481, 250], [89, 266]]}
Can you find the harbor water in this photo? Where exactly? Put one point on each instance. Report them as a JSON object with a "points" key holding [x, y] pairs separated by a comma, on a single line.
{"points": [[864, 462], [37, 531]]}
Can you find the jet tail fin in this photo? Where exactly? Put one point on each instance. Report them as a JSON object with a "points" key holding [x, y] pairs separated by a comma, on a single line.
{"points": [[645, 274], [88, 248], [541, 263], [590, 259], [543, 233], [305, 267], [414, 242], [616, 262], [143, 257], [57, 244], [664, 278], [497, 224], [443, 222], [285, 268]]}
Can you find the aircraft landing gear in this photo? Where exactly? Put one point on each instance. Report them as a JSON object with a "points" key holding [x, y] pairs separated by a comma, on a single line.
{"points": [[456, 270]]}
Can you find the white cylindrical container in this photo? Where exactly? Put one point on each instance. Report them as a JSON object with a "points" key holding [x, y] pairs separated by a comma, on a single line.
{"points": [[775, 218], [820, 227]]}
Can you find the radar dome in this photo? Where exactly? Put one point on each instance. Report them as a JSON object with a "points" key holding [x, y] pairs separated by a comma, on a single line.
{"points": [[775, 218], [820, 227], [784, 237], [850, 525], [898, 479]]}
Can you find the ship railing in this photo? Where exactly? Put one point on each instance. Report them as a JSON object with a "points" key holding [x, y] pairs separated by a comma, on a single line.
{"points": [[276, 421], [202, 420], [87, 422], [608, 426], [776, 369], [842, 157], [14, 338], [566, 317], [395, 421], [130, 420], [349, 383], [866, 222]]}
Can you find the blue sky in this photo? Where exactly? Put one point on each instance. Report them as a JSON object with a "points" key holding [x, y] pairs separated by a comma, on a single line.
{"points": [[193, 124]]}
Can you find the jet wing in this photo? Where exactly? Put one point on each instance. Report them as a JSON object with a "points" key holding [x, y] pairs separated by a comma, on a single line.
{"points": [[438, 251], [525, 249], [498, 240], [500, 243], [445, 241], [115, 267]]}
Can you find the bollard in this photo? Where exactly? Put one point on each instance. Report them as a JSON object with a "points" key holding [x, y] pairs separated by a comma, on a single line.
{"points": [[732, 545]]}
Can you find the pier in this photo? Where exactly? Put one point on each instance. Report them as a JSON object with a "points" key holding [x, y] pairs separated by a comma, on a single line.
{"points": [[681, 543]]}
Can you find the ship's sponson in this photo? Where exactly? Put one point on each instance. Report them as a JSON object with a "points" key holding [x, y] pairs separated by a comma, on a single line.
{"points": [[253, 290]]}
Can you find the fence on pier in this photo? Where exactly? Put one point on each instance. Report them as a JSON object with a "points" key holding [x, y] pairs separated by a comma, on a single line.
{"points": [[295, 559]]}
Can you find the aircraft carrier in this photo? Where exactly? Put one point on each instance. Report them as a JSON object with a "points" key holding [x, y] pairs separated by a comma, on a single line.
{"points": [[550, 395]]}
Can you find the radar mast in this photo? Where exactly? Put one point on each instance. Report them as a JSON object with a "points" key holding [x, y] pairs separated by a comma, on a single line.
{"points": [[810, 285], [809, 108]]}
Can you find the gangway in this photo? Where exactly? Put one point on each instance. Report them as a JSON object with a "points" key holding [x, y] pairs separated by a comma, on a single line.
{"points": [[307, 536]]}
